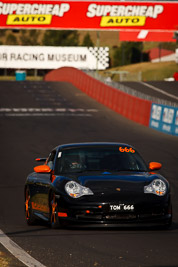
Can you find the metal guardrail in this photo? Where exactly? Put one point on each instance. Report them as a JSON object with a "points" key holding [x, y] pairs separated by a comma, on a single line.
{"points": [[129, 90], [124, 76]]}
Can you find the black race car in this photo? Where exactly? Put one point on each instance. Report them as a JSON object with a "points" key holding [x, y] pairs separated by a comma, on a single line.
{"points": [[106, 184]]}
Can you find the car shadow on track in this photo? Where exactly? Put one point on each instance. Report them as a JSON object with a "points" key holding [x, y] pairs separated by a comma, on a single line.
{"points": [[78, 230], [174, 226]]}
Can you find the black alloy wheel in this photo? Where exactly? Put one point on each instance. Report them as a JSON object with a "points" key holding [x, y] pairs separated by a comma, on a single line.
{"points": [[30, 219], [54, 219]]}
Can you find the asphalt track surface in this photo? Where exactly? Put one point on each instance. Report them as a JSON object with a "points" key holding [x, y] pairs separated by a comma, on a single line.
{"points": [[37, 116]]}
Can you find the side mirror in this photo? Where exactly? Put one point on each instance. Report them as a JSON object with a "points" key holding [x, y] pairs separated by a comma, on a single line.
{"points": [[42, 168], [155, 166]]}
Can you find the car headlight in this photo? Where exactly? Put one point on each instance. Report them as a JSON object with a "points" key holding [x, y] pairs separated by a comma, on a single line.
{"points": [[157, 187], [76, 190]]}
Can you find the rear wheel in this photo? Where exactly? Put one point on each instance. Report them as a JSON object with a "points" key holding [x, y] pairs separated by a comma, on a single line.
{"points": [[30, 219], [54, 219]]}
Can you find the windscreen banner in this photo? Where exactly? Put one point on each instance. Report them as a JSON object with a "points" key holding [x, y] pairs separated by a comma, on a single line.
{"points": [[52, 57], [89, 15]]}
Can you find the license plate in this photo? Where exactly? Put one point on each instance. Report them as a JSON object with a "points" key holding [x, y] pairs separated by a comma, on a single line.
{"points": [[121, 207]]}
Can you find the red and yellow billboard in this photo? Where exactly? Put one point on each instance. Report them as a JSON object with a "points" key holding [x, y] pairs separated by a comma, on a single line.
{"points": [[91, 15]]}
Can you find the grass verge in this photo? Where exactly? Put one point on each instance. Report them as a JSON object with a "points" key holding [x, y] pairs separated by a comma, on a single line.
{"points": [[149, 71], [28, 78], [8, 260]]}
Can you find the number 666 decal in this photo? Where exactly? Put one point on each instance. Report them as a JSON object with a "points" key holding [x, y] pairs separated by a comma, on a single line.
{"points": [[126, 149]]}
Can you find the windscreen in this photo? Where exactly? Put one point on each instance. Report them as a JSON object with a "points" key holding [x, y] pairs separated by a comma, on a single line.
{"points": [[99, 158]]}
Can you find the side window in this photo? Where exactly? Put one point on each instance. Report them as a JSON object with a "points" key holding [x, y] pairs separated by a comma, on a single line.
{"points": [[50, 160]]}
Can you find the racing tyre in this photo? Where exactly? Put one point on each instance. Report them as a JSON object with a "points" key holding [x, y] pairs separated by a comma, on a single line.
{"points": [[54, 219], [167, 226], [30, 219], [169, 223]]}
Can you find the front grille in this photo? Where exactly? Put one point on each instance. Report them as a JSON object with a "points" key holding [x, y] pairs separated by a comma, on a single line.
{"points": [[92, 217], [101, 213], [117, 217], [153, 215], [121, 216]]}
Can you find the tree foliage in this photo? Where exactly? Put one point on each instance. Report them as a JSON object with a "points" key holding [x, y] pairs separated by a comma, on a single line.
{"points": [[129, 53], [60, 38], [2, 32], [87, 41], [29, 37], [11, 39]]}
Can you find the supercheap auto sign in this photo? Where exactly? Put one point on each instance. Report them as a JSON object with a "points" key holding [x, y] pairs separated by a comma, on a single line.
{"points": [[89, 15]]}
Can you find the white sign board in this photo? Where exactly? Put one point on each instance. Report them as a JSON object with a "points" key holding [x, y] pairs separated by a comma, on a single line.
{"points": [[52, 57], [177, 55]]}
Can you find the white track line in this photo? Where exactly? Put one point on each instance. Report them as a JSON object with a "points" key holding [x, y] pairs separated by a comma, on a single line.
{"points": [[18, 252], [46, 110], [159, 90], [46, 115]]}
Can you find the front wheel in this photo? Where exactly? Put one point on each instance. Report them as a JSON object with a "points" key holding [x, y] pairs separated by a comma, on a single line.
{"points": [[169, 223], [30, 219], [54, 219]]}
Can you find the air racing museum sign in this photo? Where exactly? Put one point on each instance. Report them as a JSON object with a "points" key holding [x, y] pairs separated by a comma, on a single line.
{"points": [[96, 15], [51, 57]]}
